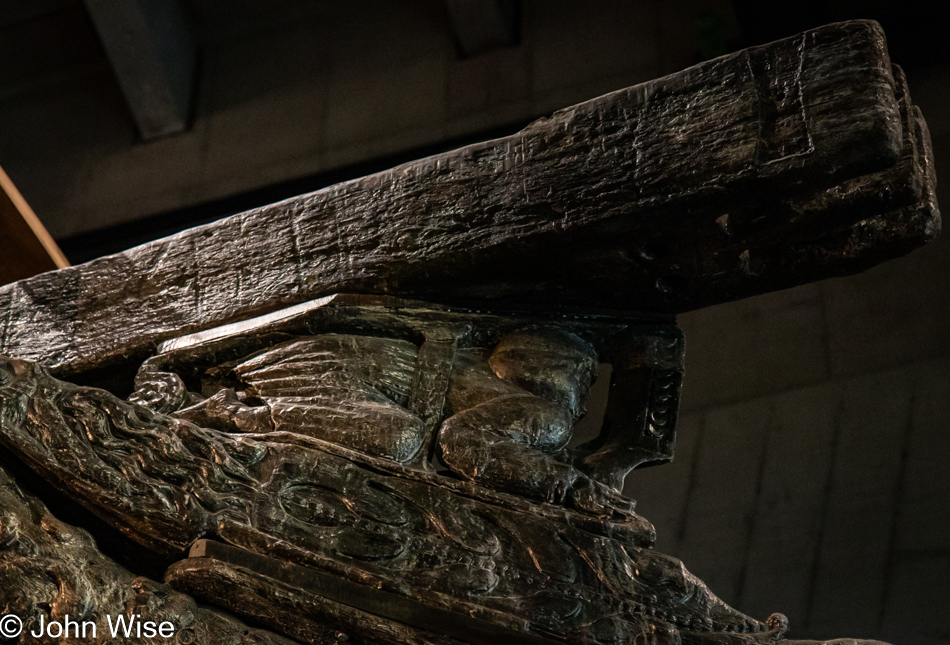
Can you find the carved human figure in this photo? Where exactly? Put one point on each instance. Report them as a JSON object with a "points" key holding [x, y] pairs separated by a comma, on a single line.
{"points": [[511, 413], [315, 508], [508, 416], [346, 388]]}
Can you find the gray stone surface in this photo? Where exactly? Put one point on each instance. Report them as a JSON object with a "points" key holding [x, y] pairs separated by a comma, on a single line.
{"points": [[924, 524], [790, 503], [861, 504], [753, 358]]}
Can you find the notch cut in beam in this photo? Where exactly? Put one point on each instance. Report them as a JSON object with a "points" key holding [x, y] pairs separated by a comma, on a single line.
{"points": [[665, 197]]}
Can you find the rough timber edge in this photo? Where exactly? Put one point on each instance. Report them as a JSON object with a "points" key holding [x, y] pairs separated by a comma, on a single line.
{"points": [[47, 314]]}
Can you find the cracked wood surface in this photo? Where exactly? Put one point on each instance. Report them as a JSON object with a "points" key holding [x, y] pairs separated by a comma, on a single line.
{"points": [[757, 137]]}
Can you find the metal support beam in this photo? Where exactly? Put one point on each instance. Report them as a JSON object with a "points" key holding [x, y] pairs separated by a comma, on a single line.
{"points": [[152, 53], [483, 25]]}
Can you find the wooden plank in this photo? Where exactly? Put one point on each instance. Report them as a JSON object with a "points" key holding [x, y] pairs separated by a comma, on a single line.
{"points": [[302, 615], [786, 243], [521, 219], [379, 605], [27, 248], [152, 53]]}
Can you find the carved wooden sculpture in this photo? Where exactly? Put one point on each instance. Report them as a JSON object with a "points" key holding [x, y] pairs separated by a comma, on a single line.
{"points": [[382, 470]]}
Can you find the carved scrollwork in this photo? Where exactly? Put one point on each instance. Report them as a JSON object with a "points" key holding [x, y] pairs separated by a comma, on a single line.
{"points": [[405, 532]]}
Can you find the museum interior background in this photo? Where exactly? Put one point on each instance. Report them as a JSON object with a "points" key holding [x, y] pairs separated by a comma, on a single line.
{"points": [[811, 474]]}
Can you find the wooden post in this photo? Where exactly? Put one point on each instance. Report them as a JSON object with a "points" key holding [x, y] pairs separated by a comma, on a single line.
{"points": [[27, 247]]}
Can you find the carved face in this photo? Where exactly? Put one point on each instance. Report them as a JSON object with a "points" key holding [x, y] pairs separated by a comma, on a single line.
{"points": [[553, 364]]}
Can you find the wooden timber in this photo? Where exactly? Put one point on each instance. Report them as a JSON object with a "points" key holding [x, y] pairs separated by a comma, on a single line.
{"points": [[700, 187]]}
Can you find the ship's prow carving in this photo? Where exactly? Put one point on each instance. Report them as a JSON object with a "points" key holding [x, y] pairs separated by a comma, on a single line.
{"points": [[370, 468]]}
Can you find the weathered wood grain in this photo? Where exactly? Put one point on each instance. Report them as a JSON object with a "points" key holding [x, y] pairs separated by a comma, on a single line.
{"points": [[430, 384], [526, 218], [303, 615], [211, 562], [787, 242]]}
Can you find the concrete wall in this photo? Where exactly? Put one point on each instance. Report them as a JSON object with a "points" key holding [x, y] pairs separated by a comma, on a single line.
{"points": [[320, 86], [812, 473]]}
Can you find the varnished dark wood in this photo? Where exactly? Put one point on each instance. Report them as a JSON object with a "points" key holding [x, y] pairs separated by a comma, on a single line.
{"points": [[206, 556], [532, 570], [430, 383]]}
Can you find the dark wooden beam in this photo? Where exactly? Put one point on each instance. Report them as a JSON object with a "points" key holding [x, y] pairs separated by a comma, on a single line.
{"points": [[26, 248], [483, 25], [152, 53], [663, 197]]}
